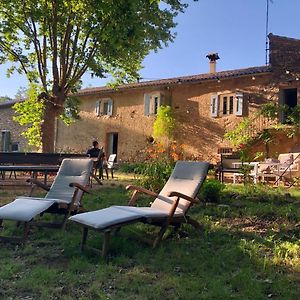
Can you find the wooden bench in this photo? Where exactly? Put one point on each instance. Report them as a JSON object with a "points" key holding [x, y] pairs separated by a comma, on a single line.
{"points": [[33, 162]]}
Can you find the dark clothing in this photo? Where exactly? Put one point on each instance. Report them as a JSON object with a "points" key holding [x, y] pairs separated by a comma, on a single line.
{"points": [[99, 154], [93, 152]]}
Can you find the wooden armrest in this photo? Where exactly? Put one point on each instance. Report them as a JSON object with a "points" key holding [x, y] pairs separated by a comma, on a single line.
{"points": [[79, 186], [141, 190], [188, 198], [136, 190], [38, 183]]}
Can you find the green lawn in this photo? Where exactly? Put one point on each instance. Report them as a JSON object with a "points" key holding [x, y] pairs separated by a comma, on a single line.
{"points": [[249, 249]]}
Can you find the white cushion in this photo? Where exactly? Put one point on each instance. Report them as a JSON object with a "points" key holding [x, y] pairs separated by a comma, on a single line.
{"points": [[114, 215], [23, 210]]}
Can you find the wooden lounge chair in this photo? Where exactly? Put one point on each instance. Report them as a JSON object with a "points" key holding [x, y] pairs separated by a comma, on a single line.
{"points": [[169, 208], [63, 197]]}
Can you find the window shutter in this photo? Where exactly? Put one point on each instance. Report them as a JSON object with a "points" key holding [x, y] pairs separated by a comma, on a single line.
{"points": [[160, 100], [146, 104], [97, 108], [214, 105], [152, 105], [239, 104], [109, 107]]}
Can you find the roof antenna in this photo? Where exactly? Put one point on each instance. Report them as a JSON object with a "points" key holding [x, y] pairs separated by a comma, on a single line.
{"points": [[267, 30]]}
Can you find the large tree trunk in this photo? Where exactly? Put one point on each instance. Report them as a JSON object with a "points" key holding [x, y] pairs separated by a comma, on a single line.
{"points": [[48, 128], [53, 108]]}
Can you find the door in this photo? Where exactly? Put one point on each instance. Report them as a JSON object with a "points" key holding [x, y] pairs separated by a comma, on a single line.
{"points": [[288, 98], [112, 143]]}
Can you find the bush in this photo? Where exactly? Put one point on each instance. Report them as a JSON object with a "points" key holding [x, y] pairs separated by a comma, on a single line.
{"points": [[129, 167], [154, 174], [211, 190]]}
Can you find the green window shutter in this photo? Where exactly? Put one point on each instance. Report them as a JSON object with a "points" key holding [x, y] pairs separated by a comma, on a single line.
{"points": [[214, 105], [239, 100], [109, 107], [97, 107], [146, 104]]}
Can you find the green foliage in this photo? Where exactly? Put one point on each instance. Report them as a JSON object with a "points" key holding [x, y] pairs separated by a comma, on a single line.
{"points": [[154, 173], [130, 167], [78, 35], [30, 115], [71, 111], [270, 110], [238, 135], [53, 43], [211, 190], [164, 124]]}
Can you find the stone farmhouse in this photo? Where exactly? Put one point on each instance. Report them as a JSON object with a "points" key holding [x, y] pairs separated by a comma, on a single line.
{"points": [[205, 106]]}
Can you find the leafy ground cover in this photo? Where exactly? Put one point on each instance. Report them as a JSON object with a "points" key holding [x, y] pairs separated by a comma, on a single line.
{"points": [[249, 249]]}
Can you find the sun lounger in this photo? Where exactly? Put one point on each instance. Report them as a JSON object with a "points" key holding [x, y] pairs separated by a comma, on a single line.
{"points": [[63, 197], [169, 208]]}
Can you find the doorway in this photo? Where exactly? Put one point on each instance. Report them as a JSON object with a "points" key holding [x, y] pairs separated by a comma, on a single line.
{"points": [[112, 143], [288, 97]]}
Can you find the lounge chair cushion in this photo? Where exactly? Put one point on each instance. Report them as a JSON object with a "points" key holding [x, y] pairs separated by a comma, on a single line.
{"points": [[114, 215], [72, 170], [24, 210], [186, 178]]}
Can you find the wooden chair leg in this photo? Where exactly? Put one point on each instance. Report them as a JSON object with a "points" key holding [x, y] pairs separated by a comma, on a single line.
{"points": [[105, 244], [84, 237], [25, 232], [64, 222], [160, 235]]}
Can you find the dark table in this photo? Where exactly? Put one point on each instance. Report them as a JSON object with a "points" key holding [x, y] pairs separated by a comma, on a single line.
{"points": [[29, 168]]}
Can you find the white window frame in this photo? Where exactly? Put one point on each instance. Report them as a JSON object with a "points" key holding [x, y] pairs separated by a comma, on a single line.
{"points": [[237, 104], [152, 102], [104, 107]]}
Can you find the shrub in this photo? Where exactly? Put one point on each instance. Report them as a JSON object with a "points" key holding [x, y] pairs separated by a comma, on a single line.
{"points": [[154, 174], [129, 167], [211, 190]]}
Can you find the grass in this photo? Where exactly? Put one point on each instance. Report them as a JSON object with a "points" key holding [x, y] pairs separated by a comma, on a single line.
{"points": [[249, 249]]}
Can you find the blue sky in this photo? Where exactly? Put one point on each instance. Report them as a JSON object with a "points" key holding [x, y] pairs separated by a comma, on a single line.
{"points": [[233, 28]]}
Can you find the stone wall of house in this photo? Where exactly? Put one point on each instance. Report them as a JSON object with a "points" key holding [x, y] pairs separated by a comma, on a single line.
{"points": [[7, 123], [200, 134], [128, 121]]}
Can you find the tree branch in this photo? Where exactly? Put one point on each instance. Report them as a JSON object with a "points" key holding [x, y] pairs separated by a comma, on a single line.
{"points": [[14, 54]]}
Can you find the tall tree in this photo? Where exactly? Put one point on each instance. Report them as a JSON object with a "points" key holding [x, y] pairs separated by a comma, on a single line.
{"points": [[54, 42]]}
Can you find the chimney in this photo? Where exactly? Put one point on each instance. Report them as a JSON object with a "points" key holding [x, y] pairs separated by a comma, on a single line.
{"points": [[213, 57]]}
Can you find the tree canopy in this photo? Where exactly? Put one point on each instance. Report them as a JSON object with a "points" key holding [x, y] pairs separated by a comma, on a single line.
{"points": [[54, 42]]}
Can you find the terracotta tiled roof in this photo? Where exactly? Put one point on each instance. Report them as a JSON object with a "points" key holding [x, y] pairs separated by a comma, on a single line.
{"points": [[182, 80]]}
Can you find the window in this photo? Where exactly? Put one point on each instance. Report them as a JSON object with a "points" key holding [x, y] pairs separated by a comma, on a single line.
{"points": [[239, 99], [104, 107], [232, 104], [288, 98], [225, 105], [151, 103]]}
